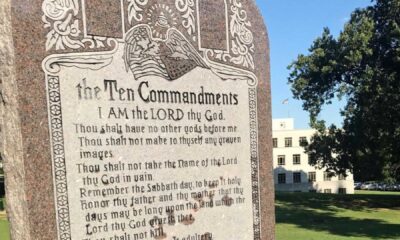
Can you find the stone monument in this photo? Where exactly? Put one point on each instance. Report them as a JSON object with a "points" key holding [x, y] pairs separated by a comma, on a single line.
{"points": [[136, 119]]}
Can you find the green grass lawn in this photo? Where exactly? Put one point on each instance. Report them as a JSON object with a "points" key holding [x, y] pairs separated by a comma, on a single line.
{"points": [[365, 215], [307, 216], [4, 234]]}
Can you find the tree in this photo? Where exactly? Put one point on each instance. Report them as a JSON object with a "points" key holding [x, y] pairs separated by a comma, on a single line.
{"points": [[361, 66]]}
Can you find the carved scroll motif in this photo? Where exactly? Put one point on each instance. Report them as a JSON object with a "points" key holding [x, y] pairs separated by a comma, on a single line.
{"points": [[135, 9], [242, 43], [242, 40], [62, 20], [189, 22]]}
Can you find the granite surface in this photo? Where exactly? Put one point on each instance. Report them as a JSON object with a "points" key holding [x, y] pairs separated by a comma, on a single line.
{"points": [[11, 136], [26, 41]]}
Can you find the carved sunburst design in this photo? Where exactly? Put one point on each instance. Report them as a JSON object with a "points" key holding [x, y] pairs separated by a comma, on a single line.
{"points": [[160, 18]]}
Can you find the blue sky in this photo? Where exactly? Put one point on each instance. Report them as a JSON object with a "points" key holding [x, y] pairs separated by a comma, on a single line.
{"points": [[292, 27]]}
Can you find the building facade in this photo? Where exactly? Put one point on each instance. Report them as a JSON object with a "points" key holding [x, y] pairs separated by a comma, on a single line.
{"points": [[292, 171]]}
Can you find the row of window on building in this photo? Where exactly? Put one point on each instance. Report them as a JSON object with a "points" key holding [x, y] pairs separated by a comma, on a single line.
{"points": [[312, 177], [289, 142], [328, 190], [296, 159]]}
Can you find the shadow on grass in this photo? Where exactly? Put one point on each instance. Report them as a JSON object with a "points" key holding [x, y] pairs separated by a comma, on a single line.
{"points": [[363, 202], [318, 212]]}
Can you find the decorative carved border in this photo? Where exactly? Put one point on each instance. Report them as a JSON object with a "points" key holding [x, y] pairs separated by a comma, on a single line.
{"points": [[58, 157], [255, 176], [187, 8], [242, 46], [52, 66], [135, 9], [63, 20], [243, 43]]}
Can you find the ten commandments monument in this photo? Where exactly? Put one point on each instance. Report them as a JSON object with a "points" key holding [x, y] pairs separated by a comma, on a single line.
{"points": [[136, 119]]}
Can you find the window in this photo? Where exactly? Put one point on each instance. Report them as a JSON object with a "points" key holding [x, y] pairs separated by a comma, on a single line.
{"points": [[312, 191], [296, 177], [327, 176], [281, 160], [342, 190], [274, 142], [288, 142], [327, 191], [342, 177], [296, 159], [311, 158], [312, 177], [281, 178], [303, 141]]}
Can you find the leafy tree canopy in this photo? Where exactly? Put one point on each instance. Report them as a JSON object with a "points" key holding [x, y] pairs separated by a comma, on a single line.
{"points": [[362, 67]]}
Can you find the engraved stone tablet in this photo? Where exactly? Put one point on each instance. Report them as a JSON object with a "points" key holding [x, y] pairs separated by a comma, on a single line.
{"points": [[137, 119]]}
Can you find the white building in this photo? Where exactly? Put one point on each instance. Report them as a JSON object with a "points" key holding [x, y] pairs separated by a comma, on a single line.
{"points": [[292, 172]]}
